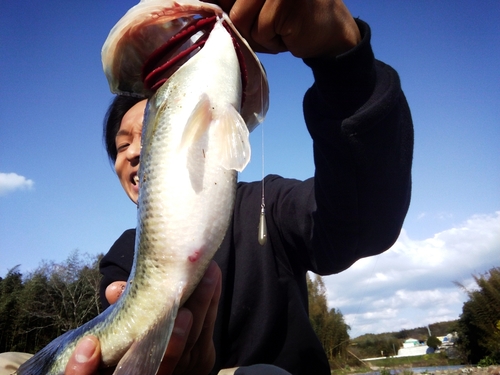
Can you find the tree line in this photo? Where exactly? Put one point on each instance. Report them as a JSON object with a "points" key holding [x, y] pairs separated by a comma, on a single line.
{"points": [[55, 298], [479, 324], [328, 324]]}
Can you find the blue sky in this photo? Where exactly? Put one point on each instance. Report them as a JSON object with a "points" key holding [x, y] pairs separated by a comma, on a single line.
{"points": [[59, 193]]}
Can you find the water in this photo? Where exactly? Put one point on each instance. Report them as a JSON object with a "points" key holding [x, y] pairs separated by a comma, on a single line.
{"points": [[435, 368], [418, 370]]}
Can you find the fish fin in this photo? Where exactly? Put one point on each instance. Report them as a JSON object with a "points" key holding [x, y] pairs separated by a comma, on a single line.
{"points": [[50, 359], [198, 123], [145, 355], [43, 361], [235, 144]]}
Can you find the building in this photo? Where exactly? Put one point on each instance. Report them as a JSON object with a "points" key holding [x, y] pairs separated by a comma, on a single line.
{"points": [[412, 347]]}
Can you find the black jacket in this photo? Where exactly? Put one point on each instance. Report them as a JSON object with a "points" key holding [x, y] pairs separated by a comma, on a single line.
{"points": [[354, 207]]}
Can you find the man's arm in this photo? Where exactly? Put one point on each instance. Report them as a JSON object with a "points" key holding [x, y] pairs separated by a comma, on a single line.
{"points": [[362, 135]]}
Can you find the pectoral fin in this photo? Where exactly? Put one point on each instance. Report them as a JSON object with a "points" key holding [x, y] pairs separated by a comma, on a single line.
{"points": [[145, 355], [234, 139], [198, 123], [230, 130]]}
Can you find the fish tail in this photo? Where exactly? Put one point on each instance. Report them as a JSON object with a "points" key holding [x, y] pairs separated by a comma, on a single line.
{"points": [[49, 360], [43, 361], [146, 353]]}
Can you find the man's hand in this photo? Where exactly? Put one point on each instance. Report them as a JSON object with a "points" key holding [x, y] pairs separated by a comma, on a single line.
{"points": [[306, 28], [190, 350]]}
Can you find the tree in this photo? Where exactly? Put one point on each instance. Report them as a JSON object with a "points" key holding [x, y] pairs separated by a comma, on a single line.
{"points": [[433, 342], [479, 323], [10, 289], [74, 291], [371, 345], [402, 335], [53, 299], [329, 325]]}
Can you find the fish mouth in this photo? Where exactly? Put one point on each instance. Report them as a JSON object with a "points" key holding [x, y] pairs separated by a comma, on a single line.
{"points": [[170, 56]]}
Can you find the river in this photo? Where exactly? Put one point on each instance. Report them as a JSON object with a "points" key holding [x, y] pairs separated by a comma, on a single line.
{"points": [[435, 368]]}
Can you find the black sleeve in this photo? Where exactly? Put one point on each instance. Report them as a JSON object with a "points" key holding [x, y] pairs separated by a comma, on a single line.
{"points": [[117, 263], [362, 134]]}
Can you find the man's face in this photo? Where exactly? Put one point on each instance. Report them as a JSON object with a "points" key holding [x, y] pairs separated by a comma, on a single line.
{"points": [[128, 147]]}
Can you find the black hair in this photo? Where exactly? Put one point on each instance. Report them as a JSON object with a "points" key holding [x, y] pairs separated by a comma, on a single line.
{"points": [[112, 121]]}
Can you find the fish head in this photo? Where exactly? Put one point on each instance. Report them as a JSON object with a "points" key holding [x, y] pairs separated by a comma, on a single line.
{"points": [[134, 47]]}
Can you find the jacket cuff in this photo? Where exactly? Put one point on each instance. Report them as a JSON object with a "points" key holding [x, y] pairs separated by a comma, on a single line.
{"points": [[346, 81]]}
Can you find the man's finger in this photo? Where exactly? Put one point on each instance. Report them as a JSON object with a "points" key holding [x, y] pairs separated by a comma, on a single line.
{"points": [[244, 15], [86, 357], [115, 290]]}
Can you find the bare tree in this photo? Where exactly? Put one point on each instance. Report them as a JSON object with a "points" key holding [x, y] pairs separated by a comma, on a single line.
{"points": [[51, 300]]}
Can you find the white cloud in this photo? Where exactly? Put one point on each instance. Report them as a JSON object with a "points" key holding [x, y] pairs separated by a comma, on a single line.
{"points": [[441, 215], [11, 181], [412, 284]]}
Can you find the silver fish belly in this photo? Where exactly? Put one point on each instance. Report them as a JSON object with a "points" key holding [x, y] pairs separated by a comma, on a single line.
{"points": [[194, 140]]}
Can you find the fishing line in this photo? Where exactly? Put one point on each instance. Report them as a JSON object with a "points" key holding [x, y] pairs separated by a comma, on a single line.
{"points": [[262, 220]]}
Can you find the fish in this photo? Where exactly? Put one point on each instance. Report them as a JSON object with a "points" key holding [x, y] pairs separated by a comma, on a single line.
{"points": [[141, 32], [206, 91]]}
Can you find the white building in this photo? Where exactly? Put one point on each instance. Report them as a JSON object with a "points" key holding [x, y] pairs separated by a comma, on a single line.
{"points": [[412, 347]]}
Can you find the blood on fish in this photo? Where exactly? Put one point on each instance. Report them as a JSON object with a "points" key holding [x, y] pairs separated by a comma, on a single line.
{"points": [[195, 256]]}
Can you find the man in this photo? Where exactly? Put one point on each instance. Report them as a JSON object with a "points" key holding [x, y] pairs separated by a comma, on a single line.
{"points": [[250, 309]]}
